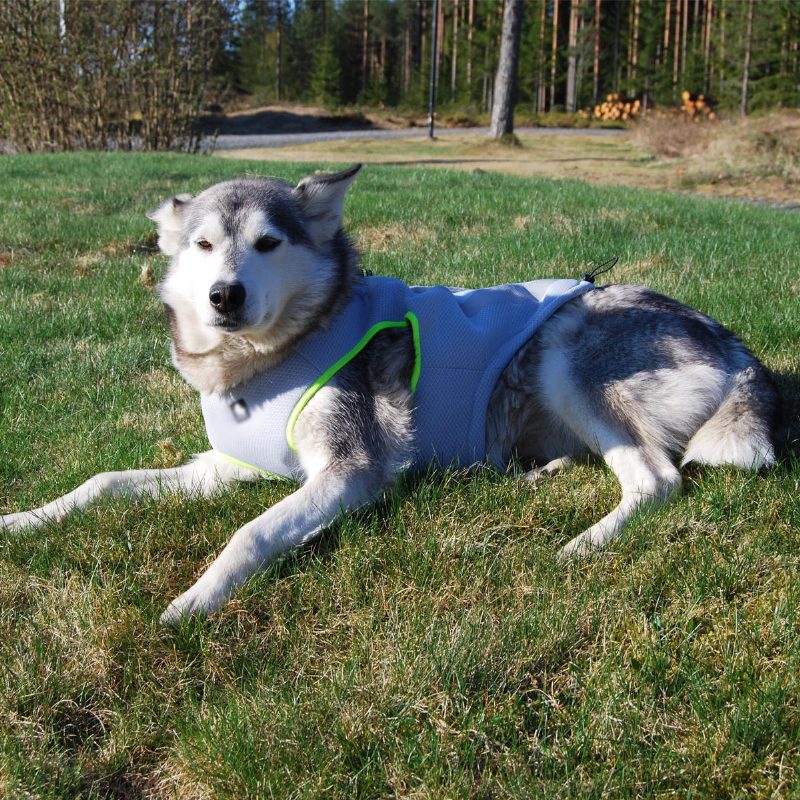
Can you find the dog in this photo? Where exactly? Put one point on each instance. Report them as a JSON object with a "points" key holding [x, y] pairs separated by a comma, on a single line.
{"points": [[261, 271]]}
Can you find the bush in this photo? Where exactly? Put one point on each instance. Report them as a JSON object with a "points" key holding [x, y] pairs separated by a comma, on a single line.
{"points": [[110, 74]]}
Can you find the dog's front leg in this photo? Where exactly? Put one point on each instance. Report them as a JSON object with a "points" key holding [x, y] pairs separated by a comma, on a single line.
{"points": [[288, 524], [205, 474]]}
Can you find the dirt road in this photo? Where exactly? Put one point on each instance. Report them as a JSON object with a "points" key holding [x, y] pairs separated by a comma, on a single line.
{"points": [[239, 141]]}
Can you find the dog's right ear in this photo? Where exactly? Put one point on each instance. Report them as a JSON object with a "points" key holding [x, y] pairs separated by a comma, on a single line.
{"points": [[169, 219]]}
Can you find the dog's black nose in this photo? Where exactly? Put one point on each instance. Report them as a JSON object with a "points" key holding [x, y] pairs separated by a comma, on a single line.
{"points": [[227, 296]]}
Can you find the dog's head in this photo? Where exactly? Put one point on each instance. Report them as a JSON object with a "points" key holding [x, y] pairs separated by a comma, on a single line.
{"points": [[255, 257]]}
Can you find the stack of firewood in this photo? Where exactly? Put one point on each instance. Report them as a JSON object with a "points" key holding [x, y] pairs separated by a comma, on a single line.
{"points": [[697, 107], [617, 107]]}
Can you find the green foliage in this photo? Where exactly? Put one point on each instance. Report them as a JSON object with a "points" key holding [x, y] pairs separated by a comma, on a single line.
{"points": [[774, 74], [125, 75], [260, 47], [325, 76], [430, 646]]}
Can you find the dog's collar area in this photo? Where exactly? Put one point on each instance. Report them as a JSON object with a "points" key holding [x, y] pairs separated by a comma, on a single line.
{"points": [[240, 410]]}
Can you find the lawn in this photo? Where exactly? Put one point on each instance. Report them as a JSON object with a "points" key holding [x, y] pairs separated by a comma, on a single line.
{"points": [[431, 647]]}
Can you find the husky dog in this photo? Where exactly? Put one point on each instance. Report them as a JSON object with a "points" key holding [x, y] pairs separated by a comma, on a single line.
{"points": [[259, 269]]}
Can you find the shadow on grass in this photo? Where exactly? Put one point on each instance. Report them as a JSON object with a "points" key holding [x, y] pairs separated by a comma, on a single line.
{"points": [[425, 487], [788, 434]]}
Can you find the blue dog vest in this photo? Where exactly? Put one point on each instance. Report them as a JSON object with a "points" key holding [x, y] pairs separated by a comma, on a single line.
{"points": [[463, 339]]}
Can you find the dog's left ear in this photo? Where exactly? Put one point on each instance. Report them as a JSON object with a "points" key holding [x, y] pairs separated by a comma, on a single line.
{"points": [[322, 199], [169, 219]]}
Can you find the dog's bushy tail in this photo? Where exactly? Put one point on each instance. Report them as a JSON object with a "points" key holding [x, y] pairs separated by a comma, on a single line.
{"points": [[741, 432]]}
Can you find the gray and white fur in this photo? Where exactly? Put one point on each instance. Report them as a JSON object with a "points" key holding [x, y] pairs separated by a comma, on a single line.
{"points": [[621, 372]]}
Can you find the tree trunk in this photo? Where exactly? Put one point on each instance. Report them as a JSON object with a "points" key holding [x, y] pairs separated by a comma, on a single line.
{"points": [[572, 58], [440, 40], [615, 58], [486, 99], [785, 43], [541, 89], [629, 51], [406, 77], [434, 62], [635, 42], [278, 32], [421, 39], [364, 51], [470, 26], [722, 14], [554, 55], [748, 46], [685, 36], [707, 46], [505, 83], [677, 61], [596, 65], [454, 60]]}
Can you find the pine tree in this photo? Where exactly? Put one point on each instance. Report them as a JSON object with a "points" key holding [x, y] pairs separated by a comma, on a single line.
{"points": [[324, 80], [259, 56]]}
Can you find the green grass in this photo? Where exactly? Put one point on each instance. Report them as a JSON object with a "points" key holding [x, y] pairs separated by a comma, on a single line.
{"points": [[428, 648]]}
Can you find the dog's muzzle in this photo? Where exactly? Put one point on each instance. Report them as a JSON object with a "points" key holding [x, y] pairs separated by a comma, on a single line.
{"points": [[227, 297]]}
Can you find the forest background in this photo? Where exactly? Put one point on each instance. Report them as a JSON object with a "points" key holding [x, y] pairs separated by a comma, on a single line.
{"points": [[118, 74]]}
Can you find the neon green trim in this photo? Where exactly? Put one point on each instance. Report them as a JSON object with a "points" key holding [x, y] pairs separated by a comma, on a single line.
{"points": [[414, 322], [409, 319], [272, 475]]}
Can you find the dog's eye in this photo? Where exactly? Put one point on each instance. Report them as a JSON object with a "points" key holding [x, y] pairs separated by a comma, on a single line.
{"points": [[266, 243], [204, 244]]}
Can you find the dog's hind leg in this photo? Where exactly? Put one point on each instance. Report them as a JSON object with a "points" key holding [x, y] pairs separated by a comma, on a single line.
{"points": [[646, 478], [550, 468], [204, 474]]}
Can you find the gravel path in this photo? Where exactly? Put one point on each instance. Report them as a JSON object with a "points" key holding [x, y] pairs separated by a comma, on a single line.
{"points": [[242, 141]]}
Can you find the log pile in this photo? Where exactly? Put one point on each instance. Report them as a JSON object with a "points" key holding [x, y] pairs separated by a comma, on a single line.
{"points": [[697, 107], [617, 107]]}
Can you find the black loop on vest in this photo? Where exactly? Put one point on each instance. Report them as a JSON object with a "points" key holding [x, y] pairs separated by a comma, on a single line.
{"points": [[599, 269]]}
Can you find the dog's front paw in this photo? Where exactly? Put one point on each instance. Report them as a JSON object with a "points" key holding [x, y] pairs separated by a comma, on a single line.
{"points": [[12, 523], [575, 549], [196, 602]]}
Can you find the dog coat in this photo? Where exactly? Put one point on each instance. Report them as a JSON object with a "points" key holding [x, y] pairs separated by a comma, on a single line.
{"points": [[463, 339]]}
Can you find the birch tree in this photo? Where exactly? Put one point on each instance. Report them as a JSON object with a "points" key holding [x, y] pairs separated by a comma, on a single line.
{"points": [[506, 79]]}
